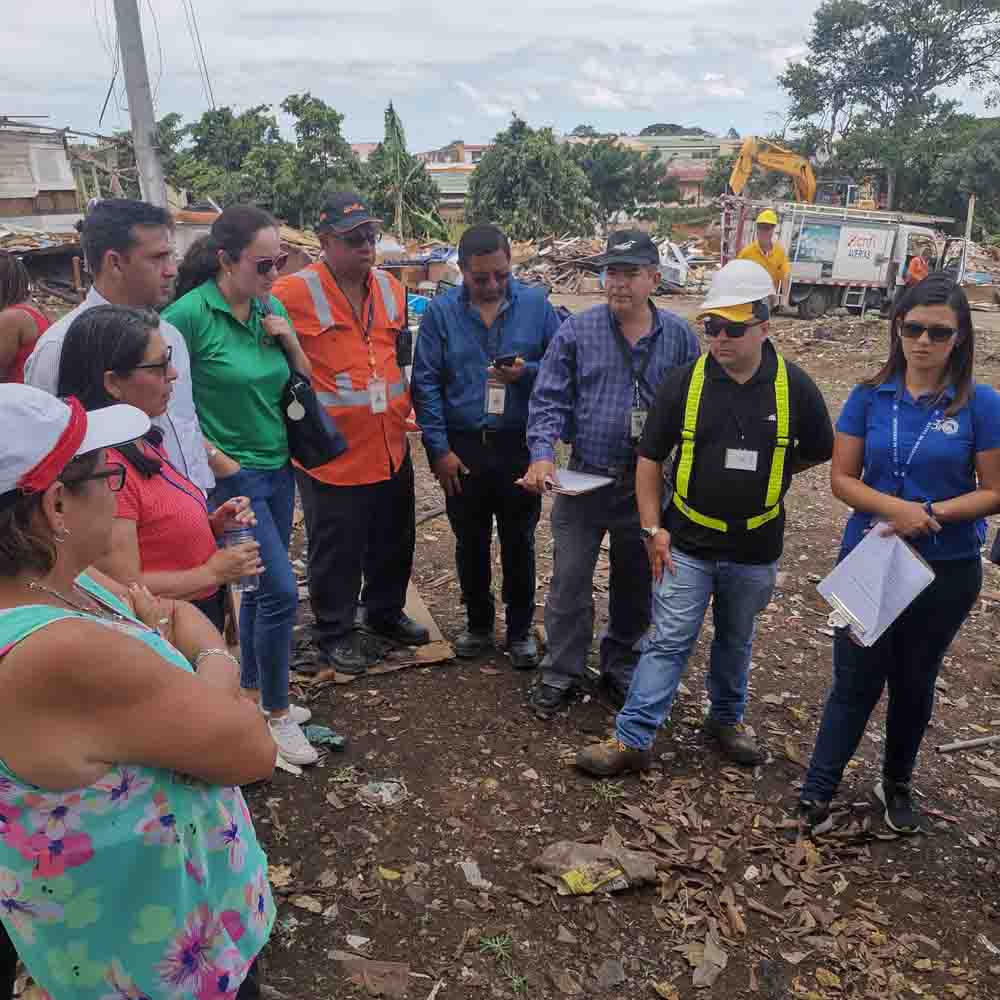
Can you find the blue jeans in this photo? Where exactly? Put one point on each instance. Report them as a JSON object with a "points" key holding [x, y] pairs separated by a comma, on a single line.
{"points": [[267, 615], [907, 659], [741, 592]]}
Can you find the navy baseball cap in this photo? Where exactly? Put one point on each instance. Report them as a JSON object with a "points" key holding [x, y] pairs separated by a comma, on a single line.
{"points": [[629, 246], [343, 212]]}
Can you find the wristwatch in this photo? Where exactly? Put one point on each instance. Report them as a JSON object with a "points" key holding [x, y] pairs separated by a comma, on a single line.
{"points": [[650, 532]]}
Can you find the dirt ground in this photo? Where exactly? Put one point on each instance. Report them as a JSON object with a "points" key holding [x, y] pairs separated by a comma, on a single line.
{"points": [[740, 906]]}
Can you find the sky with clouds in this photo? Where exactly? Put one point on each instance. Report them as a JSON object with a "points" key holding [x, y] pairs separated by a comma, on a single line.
{"points": [[454, 70]]}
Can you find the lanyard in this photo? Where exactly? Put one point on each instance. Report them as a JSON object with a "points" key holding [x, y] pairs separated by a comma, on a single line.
{"points": [[629, 353], [366, 327], [899, 472]]}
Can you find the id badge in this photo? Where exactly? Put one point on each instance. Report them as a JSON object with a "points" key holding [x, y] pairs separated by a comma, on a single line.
{"points": [[741, 459], [637, 422], [378, 395], [496, 398]]}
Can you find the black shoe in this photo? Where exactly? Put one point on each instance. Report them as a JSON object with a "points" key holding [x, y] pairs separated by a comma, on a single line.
{"points": [[471, 643], [901, 815], [814, 816], [523, 652], [350, 654], [547, 701], [613, 691], [404, 629]]}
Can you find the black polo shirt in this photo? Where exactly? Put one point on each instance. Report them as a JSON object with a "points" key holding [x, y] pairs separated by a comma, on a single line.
{"points": [[735, 416]]}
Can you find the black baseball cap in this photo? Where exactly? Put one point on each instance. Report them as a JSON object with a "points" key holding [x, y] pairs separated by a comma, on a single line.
{"points": [[343, 212], [629, 246]]}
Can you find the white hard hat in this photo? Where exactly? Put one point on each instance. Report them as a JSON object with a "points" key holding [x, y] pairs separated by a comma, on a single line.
{"points": [[739, 284]]}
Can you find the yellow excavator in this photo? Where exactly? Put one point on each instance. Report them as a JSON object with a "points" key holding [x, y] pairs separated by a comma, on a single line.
{"points": [[773, 157]]}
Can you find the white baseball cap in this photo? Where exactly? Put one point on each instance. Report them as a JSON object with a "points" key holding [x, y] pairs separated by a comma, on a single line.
{"points": [[43, 434]]}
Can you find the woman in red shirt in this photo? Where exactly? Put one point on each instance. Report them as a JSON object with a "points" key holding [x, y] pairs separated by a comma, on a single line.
{"points": [[163, 534], [21, 323]]}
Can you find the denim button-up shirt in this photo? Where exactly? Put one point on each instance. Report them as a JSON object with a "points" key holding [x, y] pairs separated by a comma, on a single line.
{"points": [[454, 349], [584, 391]]}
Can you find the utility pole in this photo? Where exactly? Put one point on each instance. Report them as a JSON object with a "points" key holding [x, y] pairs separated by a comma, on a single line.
{"points": [[140, 103], [970, 215]]}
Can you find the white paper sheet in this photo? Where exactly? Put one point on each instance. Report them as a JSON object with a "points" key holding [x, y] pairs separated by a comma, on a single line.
{"points": [[876, 583], [575, 483]]}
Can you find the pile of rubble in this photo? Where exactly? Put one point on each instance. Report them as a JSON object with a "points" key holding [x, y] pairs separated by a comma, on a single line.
{"points": [[567, 265], [25, 240]]}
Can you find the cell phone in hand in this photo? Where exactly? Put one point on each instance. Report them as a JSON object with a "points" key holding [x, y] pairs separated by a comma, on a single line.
{"points": [[505, 361]]}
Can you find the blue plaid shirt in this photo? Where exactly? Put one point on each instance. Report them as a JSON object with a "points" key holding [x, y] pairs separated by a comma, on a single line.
{"points": [[584, 389]]}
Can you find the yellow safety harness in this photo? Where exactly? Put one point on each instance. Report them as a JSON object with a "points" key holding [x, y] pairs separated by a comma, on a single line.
{"points": [[686, 463]]}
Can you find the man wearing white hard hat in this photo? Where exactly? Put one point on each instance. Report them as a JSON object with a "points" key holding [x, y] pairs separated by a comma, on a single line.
{"points": [[744, 421], [765, 251]]}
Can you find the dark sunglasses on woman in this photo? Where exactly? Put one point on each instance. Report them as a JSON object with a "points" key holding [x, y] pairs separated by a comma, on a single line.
{"points": [[265, 264], [160, 366], [114, 473], [938, 334]]}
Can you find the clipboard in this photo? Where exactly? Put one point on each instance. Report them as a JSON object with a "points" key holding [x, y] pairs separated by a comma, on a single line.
{"points": [[874, 584]]}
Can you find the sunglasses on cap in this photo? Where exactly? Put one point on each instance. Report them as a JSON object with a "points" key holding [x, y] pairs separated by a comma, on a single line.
{"points": [[716, 325], [360, 236], [938, 334], [266, 264]]}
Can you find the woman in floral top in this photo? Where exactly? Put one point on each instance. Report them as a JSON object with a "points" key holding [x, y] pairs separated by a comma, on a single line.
{"points": [[129, 867]]}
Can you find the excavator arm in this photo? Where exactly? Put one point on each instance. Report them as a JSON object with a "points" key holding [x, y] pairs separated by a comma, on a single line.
{"points": [[771, 156]]}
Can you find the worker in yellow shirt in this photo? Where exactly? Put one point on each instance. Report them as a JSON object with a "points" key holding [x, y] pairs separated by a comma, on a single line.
{"points": [[764, 251]]}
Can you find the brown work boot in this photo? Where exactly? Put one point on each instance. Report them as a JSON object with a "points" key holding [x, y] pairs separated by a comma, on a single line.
{"points": [[735, 742], [611, 758]]}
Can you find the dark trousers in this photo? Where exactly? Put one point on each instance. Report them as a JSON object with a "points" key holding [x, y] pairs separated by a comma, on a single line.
{"points": [[214, 608], [578, 527], [8, 965], [354, 533], [907, 659], [489, 492]]}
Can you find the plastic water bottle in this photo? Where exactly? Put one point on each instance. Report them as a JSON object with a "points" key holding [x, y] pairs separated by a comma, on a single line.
{"points": [[236, 534]]}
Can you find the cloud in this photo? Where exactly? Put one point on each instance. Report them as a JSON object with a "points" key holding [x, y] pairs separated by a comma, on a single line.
{"points": [[456, 68]]}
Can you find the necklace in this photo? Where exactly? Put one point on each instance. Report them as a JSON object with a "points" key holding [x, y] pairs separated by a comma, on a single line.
{"points": [[103, 609]]}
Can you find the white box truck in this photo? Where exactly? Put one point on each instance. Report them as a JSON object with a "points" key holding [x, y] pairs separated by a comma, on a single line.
{"points": [[840, 257]]}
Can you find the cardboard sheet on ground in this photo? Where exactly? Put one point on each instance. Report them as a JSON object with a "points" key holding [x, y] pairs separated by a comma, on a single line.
{"points": [[438, 650]]}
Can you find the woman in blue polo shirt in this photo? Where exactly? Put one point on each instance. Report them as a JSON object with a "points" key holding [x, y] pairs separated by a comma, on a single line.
{"points": [[917, 447]]}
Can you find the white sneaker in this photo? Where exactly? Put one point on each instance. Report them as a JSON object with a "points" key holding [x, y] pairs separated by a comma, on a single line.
{"points": [[292, 742], [297, 713]]}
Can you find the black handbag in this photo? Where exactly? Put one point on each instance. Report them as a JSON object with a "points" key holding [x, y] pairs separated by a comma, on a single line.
{"points": [[313, 436]]}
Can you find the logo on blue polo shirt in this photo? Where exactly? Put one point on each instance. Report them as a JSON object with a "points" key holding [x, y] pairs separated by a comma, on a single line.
{"points": [[949, 426]]}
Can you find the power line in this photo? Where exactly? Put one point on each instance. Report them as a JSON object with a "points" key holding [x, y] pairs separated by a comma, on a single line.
{"points": [[191, 17], [159, 51]]}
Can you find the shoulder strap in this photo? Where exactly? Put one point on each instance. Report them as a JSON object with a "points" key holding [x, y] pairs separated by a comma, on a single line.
{"points": [[686, 462], [321, 307], [388, 298], [777, 477]]}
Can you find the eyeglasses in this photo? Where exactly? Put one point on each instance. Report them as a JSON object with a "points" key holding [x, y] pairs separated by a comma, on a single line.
{"points": [[266, 264], [114, 473], [716, 325], [359, 237], [938, 334], [160, 366]]}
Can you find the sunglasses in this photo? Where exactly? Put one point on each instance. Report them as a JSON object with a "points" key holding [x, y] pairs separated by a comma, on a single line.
{"points": [[266, 264], [938, 334], [359, 237], [160, 366], [716, 325], [114, 474]]}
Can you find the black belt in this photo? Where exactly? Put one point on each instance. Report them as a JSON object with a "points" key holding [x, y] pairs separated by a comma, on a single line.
{"points": [[491, 436]]}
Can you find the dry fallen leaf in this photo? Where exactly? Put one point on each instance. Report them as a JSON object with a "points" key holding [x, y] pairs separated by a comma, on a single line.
{"points": [[389, 874], [827, 978], [309, 903], [993, 783], [795, 957], [666, 990], [794, 754], [279, 875]]}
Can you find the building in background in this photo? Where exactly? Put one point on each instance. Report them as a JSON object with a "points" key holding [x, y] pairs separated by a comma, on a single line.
{"points": [[37, 187]]}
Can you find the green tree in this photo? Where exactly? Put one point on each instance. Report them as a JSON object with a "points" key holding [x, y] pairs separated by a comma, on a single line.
{"points": [[529, 184], [585, 132], [223, 139], [622, 179], [668, 128], [399, 188], [874, 69], [322, 160]]}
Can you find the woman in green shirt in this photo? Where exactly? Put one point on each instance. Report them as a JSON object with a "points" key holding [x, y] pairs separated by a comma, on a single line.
{"points": [[241, 344]]}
